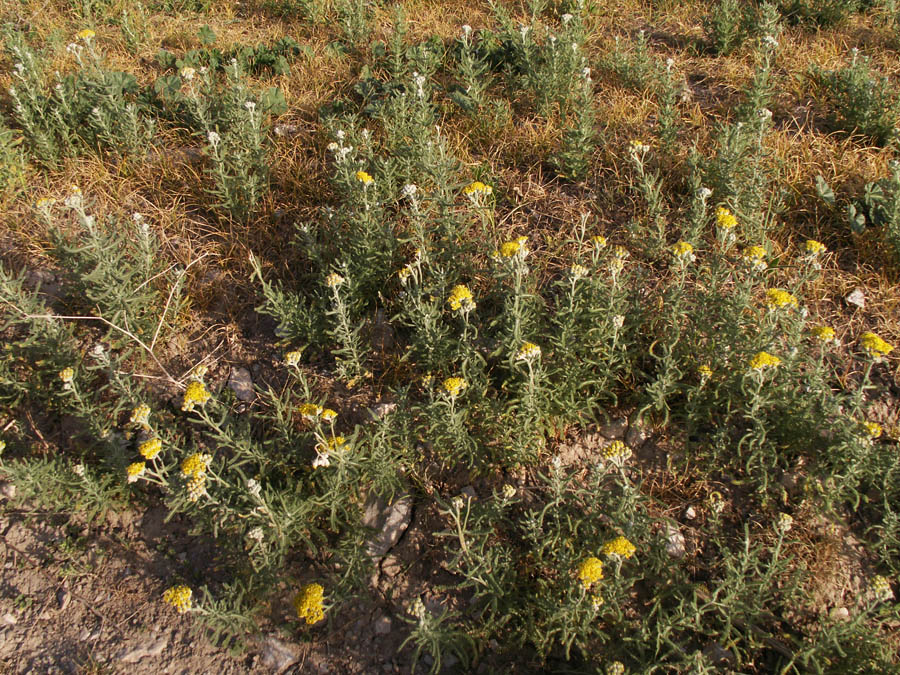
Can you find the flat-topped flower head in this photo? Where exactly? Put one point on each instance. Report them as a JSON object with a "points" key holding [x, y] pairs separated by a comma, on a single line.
{"points": [[150, 449], [777, 298], [333, 444], [454, 386], [598, 240], [616, 452], [310, 411], [683, 252], [637, 146], [328, 415], [528, 352], [615, 668], [755, 257], [814, 248], [364, 178], [881, 589], [590, 571], [824, 334], [67, 375], [516, 248], [873, 429], [196, 487], [460, 299], [87, 34], [187, 73], [180, 597], [705, 372], [196, 465], [195, 394], [619, 547], [764, 360], [874, 345], [134, 471], [725, 219], [292, 358], [334, 280], [477, 189], [140, 415], [578, 271], [310, 603]]}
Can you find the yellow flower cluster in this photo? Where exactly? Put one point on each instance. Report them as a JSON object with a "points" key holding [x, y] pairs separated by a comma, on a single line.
{"points": [[195, 394], [460, 299], [616, 451], [620, 547], [881, 588], [364, 178], [615, 668], [292, 358], [778, 298], [528, 352], [824, 334], [872, 343], [705, 372], [454, 385], [196, 465], [873, 429], [150, 449], [814, 247], [67, 375], [516, 247], [579, 271], [755, 257], [598, 240], [310, 411], [725, 219], [85, 34], [310, 602], [784, 522], [590, 571], [334, 280], [477, 188], [179, 597], [764, 360], [140, 415], [135, 471], [328, 415], [683, 250]]}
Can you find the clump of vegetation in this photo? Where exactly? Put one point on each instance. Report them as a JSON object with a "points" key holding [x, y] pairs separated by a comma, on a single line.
{"points": [[601, 353]]}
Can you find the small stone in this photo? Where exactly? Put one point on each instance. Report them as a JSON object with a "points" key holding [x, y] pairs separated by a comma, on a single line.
{"points": [[62, 598], [391, 566], [383, 625], [856, 297], [241, 383], [278, 655], [690, 513], [9, 619], [674, 542], [286, 130], [615, 430], [389, 522], [636, 435], [7, 489], [154, 648]]}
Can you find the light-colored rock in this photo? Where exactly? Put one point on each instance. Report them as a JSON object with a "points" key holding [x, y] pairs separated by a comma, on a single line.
{"points": [[674, 542], [241, 384], [9, 619], [150, 648], [7, 489], [389, 521], [690, 513], [856, 297], [278, 655], [840, 613]]}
